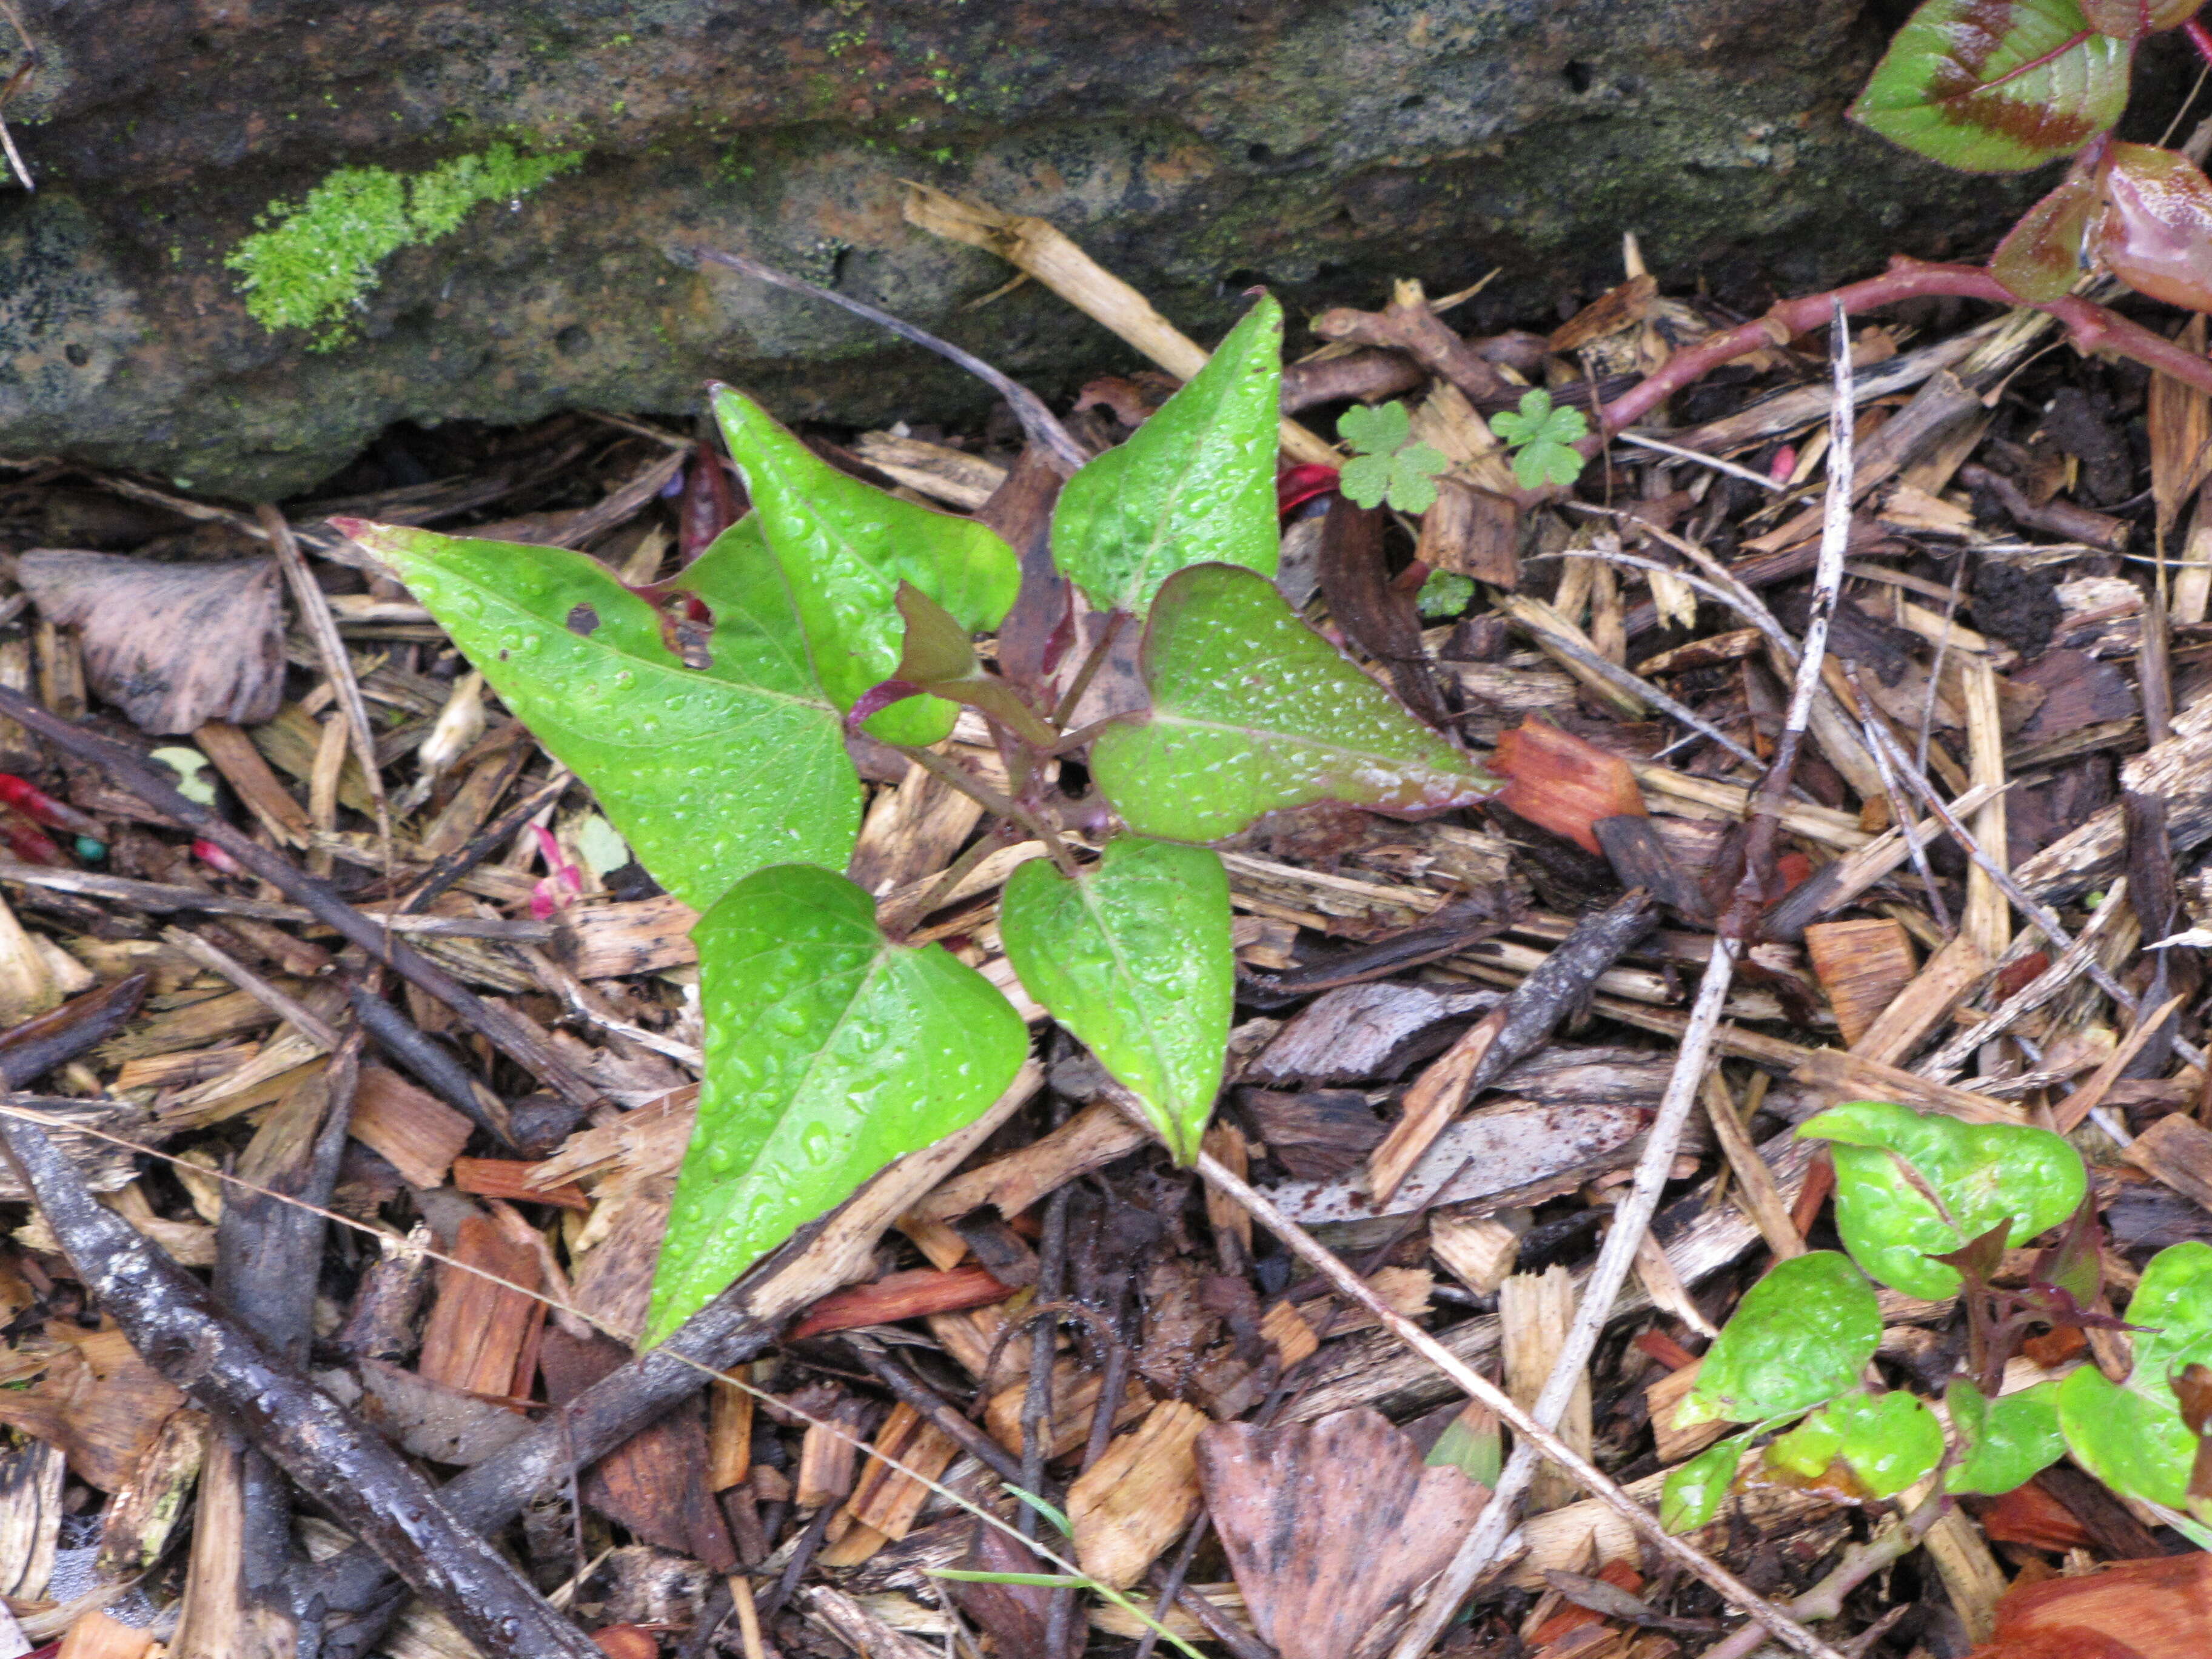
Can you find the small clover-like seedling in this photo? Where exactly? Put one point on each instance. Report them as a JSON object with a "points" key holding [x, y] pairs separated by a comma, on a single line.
{"points": [[1445, 593], [1542, 439], [1386, 464], [1910, 1188]]}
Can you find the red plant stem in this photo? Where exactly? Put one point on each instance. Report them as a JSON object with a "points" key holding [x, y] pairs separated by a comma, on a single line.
{"points": [[2090, 327], [2199, 37]]}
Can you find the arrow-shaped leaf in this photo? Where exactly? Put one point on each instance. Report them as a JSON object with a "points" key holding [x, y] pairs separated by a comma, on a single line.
{"points": [[1196, 482], [1253, 711], [830, 1051], [1134, 957], [1996, 86], [709, 772], [845, 547]]}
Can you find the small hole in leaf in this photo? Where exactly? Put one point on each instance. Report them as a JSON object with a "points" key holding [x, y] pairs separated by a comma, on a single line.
{"points": [[1578, 76], [1418, 101], [582, 620], [78, 355], [1259, 153]]}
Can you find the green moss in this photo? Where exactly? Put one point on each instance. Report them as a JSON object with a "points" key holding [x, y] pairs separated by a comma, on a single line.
{"points": [[316, 260]]}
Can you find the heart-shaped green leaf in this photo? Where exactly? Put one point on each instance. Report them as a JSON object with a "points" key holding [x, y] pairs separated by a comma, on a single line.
{"points": [[1799, 1339], [1253, 711], [1134, 957], [2155, 233], [1887, 1441], [2006, 1440], [2041, 256], [709, 773], [2131, 1442], [845, 546], [1196, 482], [1996, 86], [1693, 1493], [2134, 1437], [830, 1051], [1910, 1186]]}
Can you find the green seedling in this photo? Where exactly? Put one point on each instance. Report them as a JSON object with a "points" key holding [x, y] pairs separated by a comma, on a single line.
{"points": [[710, 715], [1542, 438], [1386, 464]]}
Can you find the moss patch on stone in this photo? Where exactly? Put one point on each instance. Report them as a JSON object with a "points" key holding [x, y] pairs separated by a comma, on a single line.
{"points": [[314, 261]]}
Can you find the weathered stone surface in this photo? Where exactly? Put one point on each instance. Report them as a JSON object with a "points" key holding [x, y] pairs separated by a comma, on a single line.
{"points": [[1196, 146]]}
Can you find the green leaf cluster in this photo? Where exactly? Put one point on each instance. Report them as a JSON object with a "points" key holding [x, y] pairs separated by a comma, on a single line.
{"points": [[709, 714], [1542, 439], [1386, 465]]}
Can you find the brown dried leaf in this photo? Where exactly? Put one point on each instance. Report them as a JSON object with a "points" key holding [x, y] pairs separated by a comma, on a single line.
{"points": [[174, 645], [1328, 1524]]}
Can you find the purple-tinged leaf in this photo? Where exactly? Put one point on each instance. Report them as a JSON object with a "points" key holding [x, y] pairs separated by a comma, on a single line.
{"points": [[1253, 711], [2155, 235], [2131, 19], [2043, 255], [1996, 86]]}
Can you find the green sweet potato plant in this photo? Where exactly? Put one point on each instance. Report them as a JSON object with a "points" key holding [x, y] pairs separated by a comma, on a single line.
{"points": [[1925, 1206], [710, 715]]}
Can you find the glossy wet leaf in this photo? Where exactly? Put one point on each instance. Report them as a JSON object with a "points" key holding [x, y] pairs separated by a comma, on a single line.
{"points": [[844, 547], [1693, 1493], [1980, 1174], [1996, 86], [709, 773], [2133, 1436], [1195, 483], [2003, 1441], [2043, 255], [2132, 19], [1887, 1440], [1134, 957], [1253, 711], [830, 1051], [1798, 1339], [2155, 233]]}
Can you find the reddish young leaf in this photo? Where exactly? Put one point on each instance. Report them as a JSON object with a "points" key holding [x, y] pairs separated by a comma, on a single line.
{"points": [[2131, 19], [2156, 232], [2042, 256]]}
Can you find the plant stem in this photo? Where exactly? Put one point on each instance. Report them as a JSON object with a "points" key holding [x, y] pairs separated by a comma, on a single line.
{"points": [[2199, 37], [2091, 326], [1066, 709], [968, 784], [1896, 1538], [1767, 1618]]}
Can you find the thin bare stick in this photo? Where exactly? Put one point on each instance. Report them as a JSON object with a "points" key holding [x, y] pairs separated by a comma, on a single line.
{"points": [[511, 1035], [1039, 424], [1637, 686], [1700, 459], [1632, 1216], [303, 1019], [1349, 1284], [1915, 847], [323, 628], [952, 771], [2041, 914]]}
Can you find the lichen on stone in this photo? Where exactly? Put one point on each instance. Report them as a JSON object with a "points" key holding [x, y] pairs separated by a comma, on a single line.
{"points": [[313, 263]]}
